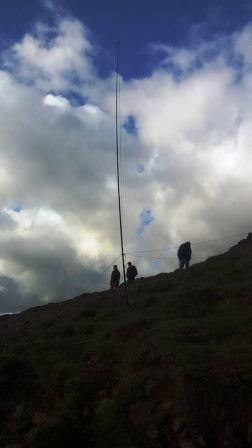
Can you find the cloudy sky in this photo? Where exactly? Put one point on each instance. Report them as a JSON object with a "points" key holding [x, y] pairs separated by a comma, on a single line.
{"points": [[186, 138]]}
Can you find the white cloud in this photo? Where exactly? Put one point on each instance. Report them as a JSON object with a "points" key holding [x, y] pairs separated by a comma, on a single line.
{"points": [[56, 101], [182, 59], [59, 219], [54, 58], [242, 44]]}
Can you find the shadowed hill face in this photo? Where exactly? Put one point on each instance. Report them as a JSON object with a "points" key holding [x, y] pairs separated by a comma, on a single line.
{"points": [[173, 368]]}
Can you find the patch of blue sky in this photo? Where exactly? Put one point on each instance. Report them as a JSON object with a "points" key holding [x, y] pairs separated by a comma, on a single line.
{"points": [[74, 98], [180, 73], [18, 208], [238, 69], [146, 218], [130, 125], [74, 79], [140, 168]]}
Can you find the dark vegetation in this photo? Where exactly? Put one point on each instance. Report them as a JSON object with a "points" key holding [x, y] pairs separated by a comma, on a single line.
{"points": [[171, 369]]}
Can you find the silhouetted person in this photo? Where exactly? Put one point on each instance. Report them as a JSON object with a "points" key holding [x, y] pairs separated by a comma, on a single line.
{"points": [[115, 278], [131, 272], [184, 255]]}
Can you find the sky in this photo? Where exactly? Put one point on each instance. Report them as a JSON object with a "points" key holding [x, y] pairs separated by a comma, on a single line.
{"points": [[185, 131]]}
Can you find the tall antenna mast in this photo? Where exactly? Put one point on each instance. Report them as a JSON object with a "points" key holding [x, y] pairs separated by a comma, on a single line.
{"points": [[118, 173]]}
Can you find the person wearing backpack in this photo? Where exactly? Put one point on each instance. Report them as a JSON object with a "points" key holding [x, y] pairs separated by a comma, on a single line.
{"points": [[115, 278], [131, 272], [184, 255]]}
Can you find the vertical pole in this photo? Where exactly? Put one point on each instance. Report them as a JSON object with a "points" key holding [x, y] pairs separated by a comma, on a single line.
{"points": [[118, 175]]}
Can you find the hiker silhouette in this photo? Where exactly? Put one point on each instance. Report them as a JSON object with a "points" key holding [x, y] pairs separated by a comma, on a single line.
{"points": [[184, 255], [131, 272], [115, 277]]}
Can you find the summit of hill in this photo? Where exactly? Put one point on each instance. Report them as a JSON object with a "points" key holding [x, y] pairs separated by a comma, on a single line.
{"points": [[172, 368]]}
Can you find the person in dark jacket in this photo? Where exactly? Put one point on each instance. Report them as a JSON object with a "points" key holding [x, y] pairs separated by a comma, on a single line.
{"points": [[115, 278], [184, 255], [131, 272]]}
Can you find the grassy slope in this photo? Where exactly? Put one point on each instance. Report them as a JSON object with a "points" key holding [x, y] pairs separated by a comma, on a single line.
{"points": [[171, 369]]}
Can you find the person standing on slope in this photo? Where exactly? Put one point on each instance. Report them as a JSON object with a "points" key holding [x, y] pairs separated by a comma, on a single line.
{"points": [[115, 278], [131, 272], [184, 255]]}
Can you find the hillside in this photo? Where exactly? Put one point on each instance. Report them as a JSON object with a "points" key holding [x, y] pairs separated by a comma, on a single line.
{"points": [[171, 369]]}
